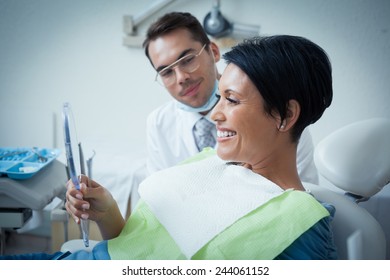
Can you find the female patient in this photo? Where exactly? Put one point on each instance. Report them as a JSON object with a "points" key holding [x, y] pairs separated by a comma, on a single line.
{"points": [[246, 201]]}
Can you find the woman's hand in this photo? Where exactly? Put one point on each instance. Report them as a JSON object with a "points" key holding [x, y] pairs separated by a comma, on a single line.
{"points": [[90, 202], [95, 203]]}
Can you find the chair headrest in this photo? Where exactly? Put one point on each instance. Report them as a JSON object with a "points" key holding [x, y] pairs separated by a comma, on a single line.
{"points": [[356, 158]]}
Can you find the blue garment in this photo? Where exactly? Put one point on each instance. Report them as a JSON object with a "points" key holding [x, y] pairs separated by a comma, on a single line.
{"points": [[99, 252], [36, 256], [316, 243]]}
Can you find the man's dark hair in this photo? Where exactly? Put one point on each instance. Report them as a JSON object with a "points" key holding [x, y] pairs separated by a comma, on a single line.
{"points": [[173, 21]]}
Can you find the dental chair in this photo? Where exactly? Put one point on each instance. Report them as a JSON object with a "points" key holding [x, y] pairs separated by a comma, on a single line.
{"points": [[356, 160]]}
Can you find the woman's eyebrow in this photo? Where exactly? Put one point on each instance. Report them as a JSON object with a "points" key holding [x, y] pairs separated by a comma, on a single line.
{"points": [[230, 91]]}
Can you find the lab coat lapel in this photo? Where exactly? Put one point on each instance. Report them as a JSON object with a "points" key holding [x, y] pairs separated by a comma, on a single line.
{"points": [[188, 121]]}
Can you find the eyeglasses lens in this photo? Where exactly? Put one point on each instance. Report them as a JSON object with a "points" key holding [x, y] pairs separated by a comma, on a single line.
{"points": [[188, 64]]}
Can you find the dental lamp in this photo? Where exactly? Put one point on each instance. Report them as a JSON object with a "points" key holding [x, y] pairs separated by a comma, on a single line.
{"points": [[217, 26]]}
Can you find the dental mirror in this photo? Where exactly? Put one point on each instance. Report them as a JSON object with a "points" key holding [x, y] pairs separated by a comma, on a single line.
{"points": [[74, 158]]}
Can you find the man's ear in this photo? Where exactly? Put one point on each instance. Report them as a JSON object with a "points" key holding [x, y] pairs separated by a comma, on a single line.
{"points": [[216, 52], [293, 112]]}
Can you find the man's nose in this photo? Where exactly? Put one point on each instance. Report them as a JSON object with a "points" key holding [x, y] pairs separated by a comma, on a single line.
{"points": [[181, 76]]}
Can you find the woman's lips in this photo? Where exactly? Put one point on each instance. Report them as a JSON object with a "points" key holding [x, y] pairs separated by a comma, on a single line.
{"points": [[224, 134]]}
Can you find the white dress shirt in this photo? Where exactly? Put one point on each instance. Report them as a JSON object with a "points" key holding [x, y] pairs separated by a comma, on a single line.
{"points": [[170, 140]]}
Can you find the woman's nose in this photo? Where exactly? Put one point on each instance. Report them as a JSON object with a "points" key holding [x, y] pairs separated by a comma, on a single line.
{"points": [[216, 113]]}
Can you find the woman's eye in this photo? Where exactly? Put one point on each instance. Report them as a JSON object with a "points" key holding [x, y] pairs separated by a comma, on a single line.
{"points": [[231, 100]]}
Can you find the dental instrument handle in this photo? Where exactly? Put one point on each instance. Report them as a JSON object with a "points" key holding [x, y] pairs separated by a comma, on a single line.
{"points": [[85, 230], [84, 224]]}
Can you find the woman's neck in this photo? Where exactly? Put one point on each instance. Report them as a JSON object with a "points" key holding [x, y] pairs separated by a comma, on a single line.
{"points": [[281, 169]]}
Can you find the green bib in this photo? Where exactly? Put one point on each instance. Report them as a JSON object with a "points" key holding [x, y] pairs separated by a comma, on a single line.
{"points": [[283, 218]]}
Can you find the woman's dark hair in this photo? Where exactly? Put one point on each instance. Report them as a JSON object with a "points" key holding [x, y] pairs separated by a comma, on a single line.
{"points": [[173, 21], [284, 68]]}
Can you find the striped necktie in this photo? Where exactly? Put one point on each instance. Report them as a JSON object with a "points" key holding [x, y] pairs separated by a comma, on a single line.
{"points": [[203, 134]]}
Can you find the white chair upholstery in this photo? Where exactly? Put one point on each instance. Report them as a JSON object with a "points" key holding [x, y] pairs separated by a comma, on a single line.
{"points": [[356, 159], [357, 234], [78, 244]]}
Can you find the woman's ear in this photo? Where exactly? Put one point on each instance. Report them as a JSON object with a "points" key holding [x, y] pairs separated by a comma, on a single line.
{"points": [[293, 112]]}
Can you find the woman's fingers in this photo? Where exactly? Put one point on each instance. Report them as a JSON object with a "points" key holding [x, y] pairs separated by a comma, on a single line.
{"points": [[75, 205], [71, 210]]}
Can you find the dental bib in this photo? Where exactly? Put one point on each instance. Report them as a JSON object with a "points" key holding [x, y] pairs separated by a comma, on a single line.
{"points": [[195, 202], [212, 210]]}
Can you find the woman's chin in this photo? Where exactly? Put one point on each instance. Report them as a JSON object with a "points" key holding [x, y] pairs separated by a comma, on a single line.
{"points": [[224, 154]]}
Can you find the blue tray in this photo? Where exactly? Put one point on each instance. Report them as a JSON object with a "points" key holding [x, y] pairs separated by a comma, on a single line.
{"points": [[23, 163]]}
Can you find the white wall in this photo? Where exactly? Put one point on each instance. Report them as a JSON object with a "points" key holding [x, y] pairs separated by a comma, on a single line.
{"points": [[56, 51]]}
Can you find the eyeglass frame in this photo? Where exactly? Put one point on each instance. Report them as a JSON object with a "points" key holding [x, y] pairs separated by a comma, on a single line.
{"points": [[172, 65]]}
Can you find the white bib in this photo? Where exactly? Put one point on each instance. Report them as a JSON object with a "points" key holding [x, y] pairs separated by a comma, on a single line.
{"points": [[197, 201]]}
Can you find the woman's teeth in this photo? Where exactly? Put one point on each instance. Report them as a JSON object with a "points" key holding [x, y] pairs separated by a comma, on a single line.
{"points": [[225, 133]]}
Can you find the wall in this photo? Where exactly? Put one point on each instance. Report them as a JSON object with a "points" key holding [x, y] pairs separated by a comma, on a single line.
{"points": [[56, 51]]}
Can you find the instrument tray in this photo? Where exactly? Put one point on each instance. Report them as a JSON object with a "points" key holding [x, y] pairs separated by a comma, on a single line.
{"points": [[23, 163]]}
